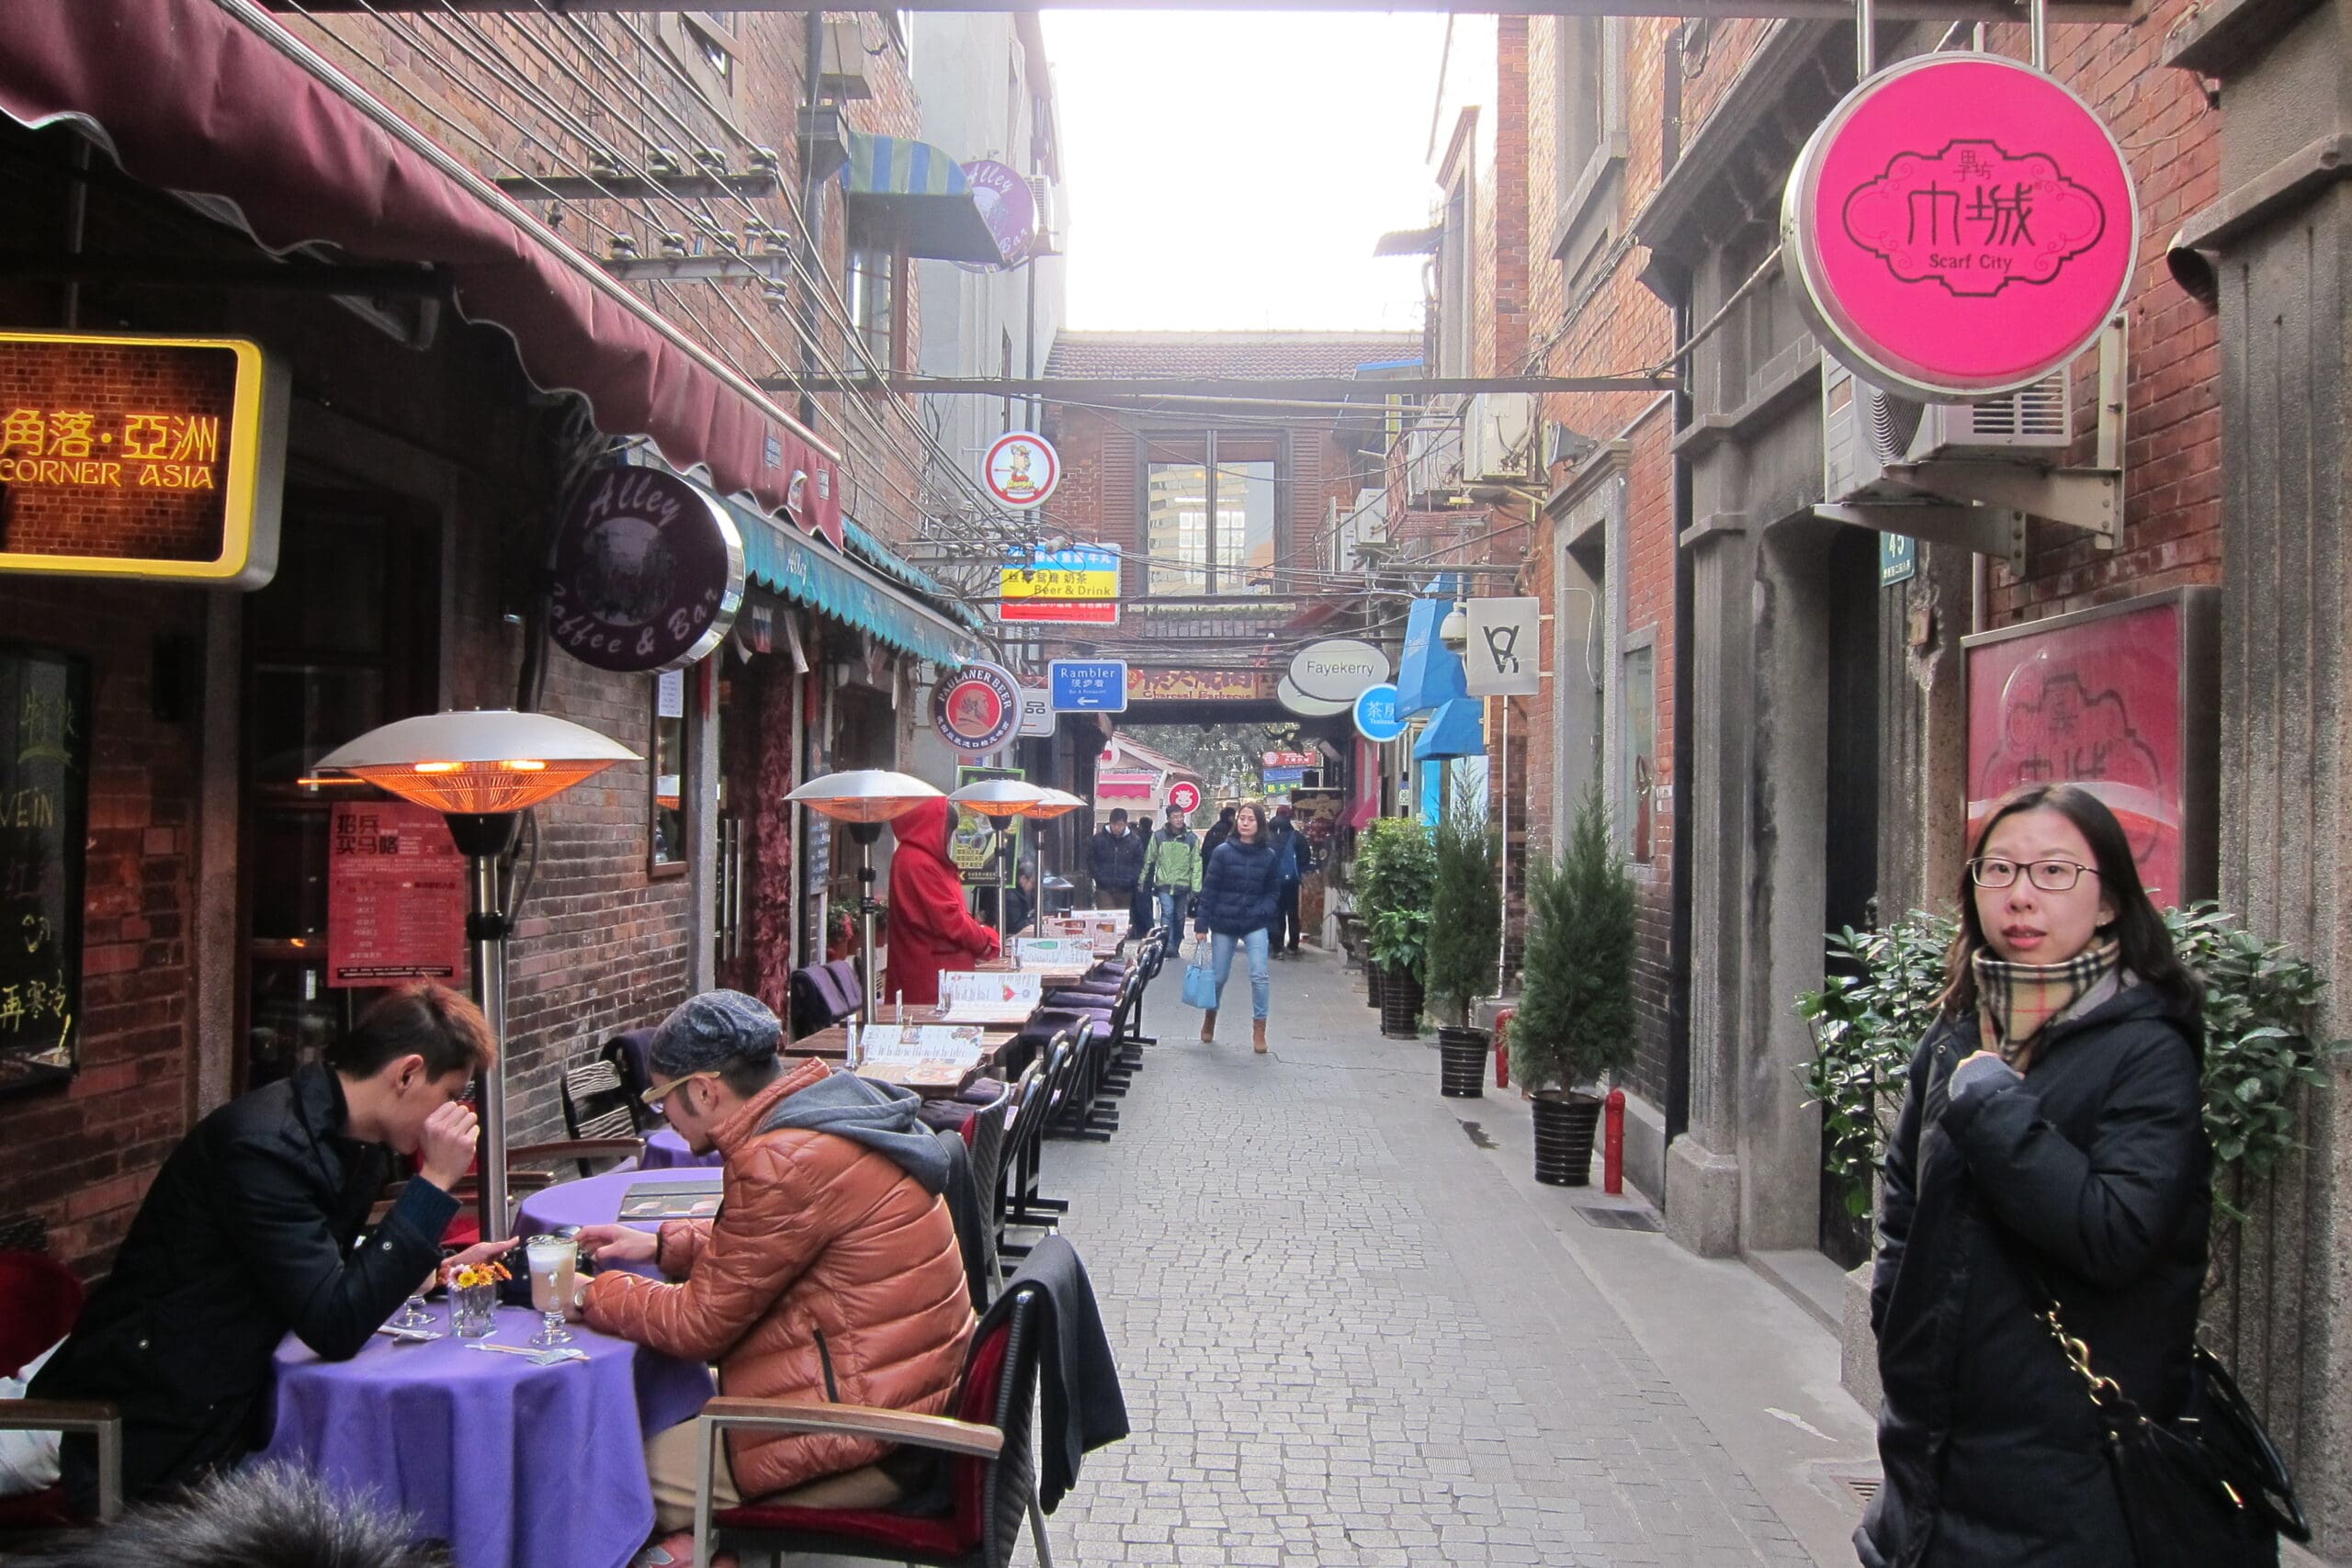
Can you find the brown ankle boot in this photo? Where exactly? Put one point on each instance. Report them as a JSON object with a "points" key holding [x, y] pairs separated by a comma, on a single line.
{"points": [[1258, 1035], [1208, 1027]]}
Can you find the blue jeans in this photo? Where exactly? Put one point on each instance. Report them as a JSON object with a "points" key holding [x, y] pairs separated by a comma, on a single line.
{"points": [[1172, 903], [1262, 983]]}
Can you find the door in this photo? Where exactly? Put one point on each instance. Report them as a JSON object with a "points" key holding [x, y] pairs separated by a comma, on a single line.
{"points": [[1850, 856]]}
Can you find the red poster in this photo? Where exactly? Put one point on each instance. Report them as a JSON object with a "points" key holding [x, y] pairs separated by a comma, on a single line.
{"points": [[396, 896], [2095, 701]]}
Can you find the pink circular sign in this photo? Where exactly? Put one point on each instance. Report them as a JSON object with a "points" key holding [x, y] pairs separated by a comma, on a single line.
{"points": [[1185, 796], [1961, 226]]}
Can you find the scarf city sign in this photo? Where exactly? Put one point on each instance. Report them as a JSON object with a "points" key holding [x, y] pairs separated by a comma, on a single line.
{"points": [[1961, 226], [155, 458]]}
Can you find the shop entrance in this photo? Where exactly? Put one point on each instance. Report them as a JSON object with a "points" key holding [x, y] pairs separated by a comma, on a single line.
{"points": [[1850, 848], [345, 637]]}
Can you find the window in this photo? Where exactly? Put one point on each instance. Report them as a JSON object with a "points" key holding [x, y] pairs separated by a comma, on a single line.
{"points": [[703, 42], [1637, 791], [1589, 83], [1209, 515], [667, 808], [870, 304], [1454, 283]]}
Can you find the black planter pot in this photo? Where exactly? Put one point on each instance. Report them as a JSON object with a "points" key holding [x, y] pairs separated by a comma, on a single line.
{"points": [[1462, 1055], [1400, 1006], [1565, 1125], [1372, 982]]}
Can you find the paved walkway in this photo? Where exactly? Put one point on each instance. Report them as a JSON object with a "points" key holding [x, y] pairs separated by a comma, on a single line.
{"points": [[1350, 1335]]}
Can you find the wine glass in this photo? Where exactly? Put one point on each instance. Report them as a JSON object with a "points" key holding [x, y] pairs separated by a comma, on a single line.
{"points": [[552, 1260], [414, 1313]]}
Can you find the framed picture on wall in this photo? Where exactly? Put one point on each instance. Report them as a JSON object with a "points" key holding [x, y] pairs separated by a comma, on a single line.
{"points": [[2120, 699], [44, 829]]}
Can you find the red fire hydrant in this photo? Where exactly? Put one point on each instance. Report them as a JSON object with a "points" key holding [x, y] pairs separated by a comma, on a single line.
{"points": [[1612, 1147], [1502, 1047]]}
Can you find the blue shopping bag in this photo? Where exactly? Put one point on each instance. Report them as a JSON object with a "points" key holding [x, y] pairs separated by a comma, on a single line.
{"points": [[1200, 980]]}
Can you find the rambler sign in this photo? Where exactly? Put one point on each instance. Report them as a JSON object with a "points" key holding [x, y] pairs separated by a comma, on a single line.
{"points": [[1959, 225]]}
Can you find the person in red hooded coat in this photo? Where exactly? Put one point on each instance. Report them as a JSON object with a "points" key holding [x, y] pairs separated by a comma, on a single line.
{"points": [[930, 929]]}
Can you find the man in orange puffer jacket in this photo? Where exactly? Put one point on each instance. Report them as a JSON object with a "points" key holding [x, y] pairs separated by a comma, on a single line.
{"points": [[831, 1274]]}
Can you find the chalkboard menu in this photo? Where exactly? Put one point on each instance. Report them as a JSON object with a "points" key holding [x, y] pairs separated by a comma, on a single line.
{"points": [[44, 825]]}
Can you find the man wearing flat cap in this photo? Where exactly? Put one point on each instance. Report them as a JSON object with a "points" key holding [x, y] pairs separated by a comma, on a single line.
{"points": [[831, 1273]]}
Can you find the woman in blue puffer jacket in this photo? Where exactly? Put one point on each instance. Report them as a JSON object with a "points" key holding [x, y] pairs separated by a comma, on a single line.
{"points": [[1241, 888]]}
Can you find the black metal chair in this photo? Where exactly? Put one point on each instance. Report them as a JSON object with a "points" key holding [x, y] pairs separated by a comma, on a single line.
{"points": [[1026, 1207], [991, 1480]]}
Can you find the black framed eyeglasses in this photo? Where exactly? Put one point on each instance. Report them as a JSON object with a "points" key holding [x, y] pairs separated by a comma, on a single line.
{"points": [[2049, 875]]}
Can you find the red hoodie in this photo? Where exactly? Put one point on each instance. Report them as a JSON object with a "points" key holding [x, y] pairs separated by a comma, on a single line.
{"points": [[928, 927]]}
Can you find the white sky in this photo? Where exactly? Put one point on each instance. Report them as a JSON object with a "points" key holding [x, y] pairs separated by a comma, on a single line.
{"points": [[1232, 170]]}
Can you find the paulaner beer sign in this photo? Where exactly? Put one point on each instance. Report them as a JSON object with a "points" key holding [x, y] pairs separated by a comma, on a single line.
{"points": [[154, 458], [1961, 226]]}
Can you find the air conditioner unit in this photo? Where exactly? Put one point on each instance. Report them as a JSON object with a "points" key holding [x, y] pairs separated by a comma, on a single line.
{"points": [[1864, 431], [1432, 462], [1498, 436]]}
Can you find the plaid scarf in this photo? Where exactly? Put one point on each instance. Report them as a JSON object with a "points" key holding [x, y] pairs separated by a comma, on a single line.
{"points": [[2017, 1000]]}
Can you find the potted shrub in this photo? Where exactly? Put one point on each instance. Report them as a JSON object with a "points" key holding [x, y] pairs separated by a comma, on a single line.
{"points": [[1395, 875], [1575, 1020], [1466, 932]]}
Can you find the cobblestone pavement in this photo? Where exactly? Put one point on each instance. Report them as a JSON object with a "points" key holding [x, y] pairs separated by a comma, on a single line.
{"points": [[1342, 1341]]}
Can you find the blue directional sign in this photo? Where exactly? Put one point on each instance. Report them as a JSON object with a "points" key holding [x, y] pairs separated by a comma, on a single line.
{"points": [[1088, 685], [1283, 776], [1376, 718]]}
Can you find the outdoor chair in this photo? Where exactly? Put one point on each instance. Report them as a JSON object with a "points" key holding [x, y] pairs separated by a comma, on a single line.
{"points": [[39, 1302], [625, 1051], [821, 996], [597, 1102], [1026, 1207], [1009, 1132], [988, 1490]]}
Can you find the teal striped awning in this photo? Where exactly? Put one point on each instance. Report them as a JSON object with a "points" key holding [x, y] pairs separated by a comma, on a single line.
{"points": [[906, 193], [809, 573]]}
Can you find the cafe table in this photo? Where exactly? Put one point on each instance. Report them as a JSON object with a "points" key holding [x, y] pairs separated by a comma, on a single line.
{"points": [[515, 1465], [597, 1201], [665, 1150]]}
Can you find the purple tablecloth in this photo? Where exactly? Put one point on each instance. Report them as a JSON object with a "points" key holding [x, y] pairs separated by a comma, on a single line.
{"points": [[664, 1150], [515, 1465], [597, 1201]]}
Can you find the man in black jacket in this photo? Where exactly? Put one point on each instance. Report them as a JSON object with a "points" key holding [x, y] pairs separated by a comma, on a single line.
{"points": [[1117, 862], [247, 1234]]}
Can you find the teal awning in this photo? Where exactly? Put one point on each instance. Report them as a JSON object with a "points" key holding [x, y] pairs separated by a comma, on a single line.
{"points": [[906, 192], [809, 573], [861, 543]]}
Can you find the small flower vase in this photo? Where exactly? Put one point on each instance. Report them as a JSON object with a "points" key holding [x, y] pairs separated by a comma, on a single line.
{"points": [[473, 1309]]}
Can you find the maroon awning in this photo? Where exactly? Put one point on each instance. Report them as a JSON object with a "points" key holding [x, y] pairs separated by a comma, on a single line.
{"points": [[209, 96]]}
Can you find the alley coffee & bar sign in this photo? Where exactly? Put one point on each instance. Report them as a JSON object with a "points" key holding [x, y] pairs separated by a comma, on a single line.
{"points": [[155, 458], [647, 572], [1961, 226]]}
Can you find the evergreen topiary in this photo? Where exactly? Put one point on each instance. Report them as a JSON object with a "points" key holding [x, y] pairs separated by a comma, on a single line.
{"points": [[1465, 914], [1575, 1019]]}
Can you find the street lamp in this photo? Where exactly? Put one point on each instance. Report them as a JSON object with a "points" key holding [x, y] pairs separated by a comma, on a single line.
{"points": [[1001, 800], [481, 768], [864, 799]]}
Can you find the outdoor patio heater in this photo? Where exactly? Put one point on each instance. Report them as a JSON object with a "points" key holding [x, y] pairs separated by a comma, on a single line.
{"points": [[482, 769], [864, 799], [1002, 801]]}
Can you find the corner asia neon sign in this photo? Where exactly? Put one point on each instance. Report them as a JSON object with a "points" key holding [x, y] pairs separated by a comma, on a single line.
{"points": [[1958, 227]]}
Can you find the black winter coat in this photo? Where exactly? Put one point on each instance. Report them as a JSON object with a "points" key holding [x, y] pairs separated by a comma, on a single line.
{"points": [[246, 1235], [1241, 889], [2093, 1169], [1115, 861]]}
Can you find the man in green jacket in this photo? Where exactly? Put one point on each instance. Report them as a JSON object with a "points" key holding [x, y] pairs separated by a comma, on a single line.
{"points": [[1172, 869]]}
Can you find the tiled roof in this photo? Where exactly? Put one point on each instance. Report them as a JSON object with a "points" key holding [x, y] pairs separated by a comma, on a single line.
{"points": [[1245, 355]]}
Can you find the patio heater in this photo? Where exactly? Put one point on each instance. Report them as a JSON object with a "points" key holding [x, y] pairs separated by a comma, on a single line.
{"points": [[864, 799], [1056, 803], [1001, 801], [482, 769]]}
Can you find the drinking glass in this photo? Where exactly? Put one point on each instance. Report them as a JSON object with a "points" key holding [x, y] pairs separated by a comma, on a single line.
{"points": [[552, 1260], [414, 1313]]}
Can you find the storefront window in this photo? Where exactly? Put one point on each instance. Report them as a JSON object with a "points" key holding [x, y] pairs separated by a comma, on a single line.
{"points": [[1209, 516], [669, 766]]}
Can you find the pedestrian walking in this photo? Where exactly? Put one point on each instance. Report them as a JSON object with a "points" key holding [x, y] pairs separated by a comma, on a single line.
{"points": [[1296, 858], [1218, 833], [1115, 861], [2050, 1155], [1173, 870], [1241, 889], [1140, 906]]}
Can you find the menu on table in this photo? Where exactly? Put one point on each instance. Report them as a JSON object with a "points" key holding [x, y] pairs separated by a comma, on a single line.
{"points": [[943, 1042], [1052, 952], [1000, 996], [696, 1198]]}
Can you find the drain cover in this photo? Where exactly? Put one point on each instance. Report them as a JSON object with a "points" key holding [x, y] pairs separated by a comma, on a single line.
{"points": [[1621, 1219], [1864, 1486]]}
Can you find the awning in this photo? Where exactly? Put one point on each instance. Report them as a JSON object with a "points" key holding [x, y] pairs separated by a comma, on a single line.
{"points": [[906, 192], [1457, 730], [1430, 673], [852, 593], [213, 98], [860, 542]]}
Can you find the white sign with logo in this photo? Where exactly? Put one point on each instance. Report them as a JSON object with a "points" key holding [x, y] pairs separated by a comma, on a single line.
{"points": [[1307, 705], [1037, 712], [1501, 658], [1336, 669], [1022, 468]]}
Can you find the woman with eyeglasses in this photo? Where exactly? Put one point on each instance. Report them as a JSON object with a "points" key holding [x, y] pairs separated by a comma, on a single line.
{"points": [[2051, 1145]]}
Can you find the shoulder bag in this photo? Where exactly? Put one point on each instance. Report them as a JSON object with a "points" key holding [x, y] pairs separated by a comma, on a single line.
{"points": [[2206, 1491]]}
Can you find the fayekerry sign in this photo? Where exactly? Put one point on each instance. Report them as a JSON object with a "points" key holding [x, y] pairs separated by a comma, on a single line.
{"points": [[647, 572], [1961, 225], [153, 458]]}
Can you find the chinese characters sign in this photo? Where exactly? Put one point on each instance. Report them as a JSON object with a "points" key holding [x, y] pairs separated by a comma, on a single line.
{"points": [[44, 824], [977, 708], [147, 457], [1961, 226], [396, 895], [1088, 685], [1199, 686], [1072, 587]]}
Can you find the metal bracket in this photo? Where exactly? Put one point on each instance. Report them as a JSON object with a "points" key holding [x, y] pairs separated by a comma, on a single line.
{"points": [[2088, 499], [1983, 530], [699, 269]]}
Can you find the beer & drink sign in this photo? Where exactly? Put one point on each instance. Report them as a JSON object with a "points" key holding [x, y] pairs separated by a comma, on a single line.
{"points": [[1961, 226], [155, 458]]}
